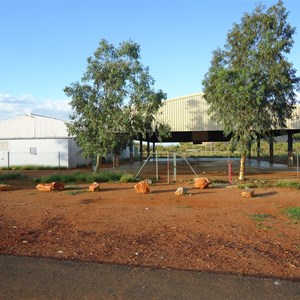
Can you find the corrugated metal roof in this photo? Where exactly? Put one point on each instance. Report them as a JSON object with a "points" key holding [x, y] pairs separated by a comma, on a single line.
{"points": [[32, 126]]}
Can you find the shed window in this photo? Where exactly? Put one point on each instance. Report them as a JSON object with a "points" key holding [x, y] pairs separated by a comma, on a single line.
{"points": [[32, 150]]}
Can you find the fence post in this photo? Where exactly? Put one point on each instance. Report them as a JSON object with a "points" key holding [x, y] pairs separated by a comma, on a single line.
{"points": [[156, 165], [297, 165], [8, 162], [230, 172], [174, 167], [168, 166], [58, 161]]}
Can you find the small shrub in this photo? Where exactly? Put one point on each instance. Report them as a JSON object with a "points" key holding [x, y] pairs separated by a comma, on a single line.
{"points": [[255, 184], [184, 206], [261, 217], [73, 193], [288, 184], [293, 212], [31, 167], [77, 177], [11, 176], [106, 177], [128, 178]]}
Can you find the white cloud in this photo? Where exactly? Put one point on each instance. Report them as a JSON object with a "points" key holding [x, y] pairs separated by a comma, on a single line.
{"points": [[12, 106]]}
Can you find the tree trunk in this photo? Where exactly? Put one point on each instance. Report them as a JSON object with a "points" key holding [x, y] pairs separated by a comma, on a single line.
{"points": [[98, 163], [242, 167], [116, 160]]}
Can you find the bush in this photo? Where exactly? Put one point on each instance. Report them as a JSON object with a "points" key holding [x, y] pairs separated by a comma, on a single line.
{"points": [[128, 178], [288, 184], [293, 212], [77, 177], [31, 167], [11, 176]]}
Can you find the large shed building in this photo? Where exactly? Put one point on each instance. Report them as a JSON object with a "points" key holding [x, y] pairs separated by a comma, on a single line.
{"points": [[37, 140], [190, 122]]}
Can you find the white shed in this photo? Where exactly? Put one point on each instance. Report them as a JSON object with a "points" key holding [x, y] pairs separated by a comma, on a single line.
{"points": [[37, 140]]}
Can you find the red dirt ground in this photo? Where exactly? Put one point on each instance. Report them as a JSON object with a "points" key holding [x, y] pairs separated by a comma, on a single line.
{"points": [[205, 230]]}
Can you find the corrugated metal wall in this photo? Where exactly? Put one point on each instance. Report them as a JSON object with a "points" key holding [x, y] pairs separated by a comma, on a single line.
{"points": [[295, 123], [190, 113]]}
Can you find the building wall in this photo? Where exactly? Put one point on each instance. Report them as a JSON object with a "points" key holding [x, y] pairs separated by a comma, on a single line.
{"points": [[295, 122], [37, 140], [75, 158], [190, 113], [41, 152]]}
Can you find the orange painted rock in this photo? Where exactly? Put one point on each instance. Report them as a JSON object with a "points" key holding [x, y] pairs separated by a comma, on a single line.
{"points": [[53, 186], [5, 187], [58, 186], [248, 193], [142, 187], [201, 183], [95, 186]]}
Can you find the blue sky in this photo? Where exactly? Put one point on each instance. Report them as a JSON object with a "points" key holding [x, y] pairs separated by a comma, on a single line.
{"points": [[45, 44]]}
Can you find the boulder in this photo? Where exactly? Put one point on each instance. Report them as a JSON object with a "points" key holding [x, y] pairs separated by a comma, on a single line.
{"points": [[248, 193], [94, 187], [142, 187], [53, 186], [181, 191], [5, 187], [201, 183]]}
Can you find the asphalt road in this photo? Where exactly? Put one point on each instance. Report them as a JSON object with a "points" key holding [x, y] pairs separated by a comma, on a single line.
{"points": [[41, 278]]}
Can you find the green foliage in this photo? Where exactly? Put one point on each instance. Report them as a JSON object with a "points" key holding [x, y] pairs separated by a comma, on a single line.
{"points": [[74, 193], [261, 217], [31, 167], [264, 184], [293, 212], [250, 85], [255, 184], [115, 101], [78, 177], [6, 176], [128, 178], [288, 184]]}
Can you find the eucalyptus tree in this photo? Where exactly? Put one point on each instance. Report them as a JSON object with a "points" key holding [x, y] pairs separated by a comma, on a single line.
{"points": [[251, 85], [114, 102]]}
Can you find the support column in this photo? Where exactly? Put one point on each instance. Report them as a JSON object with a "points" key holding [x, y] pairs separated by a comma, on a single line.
{"points": [[249, 150], [141, 150], [290, 150], [271, 147], [148, 148], [153, 150], [131, 152]]}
